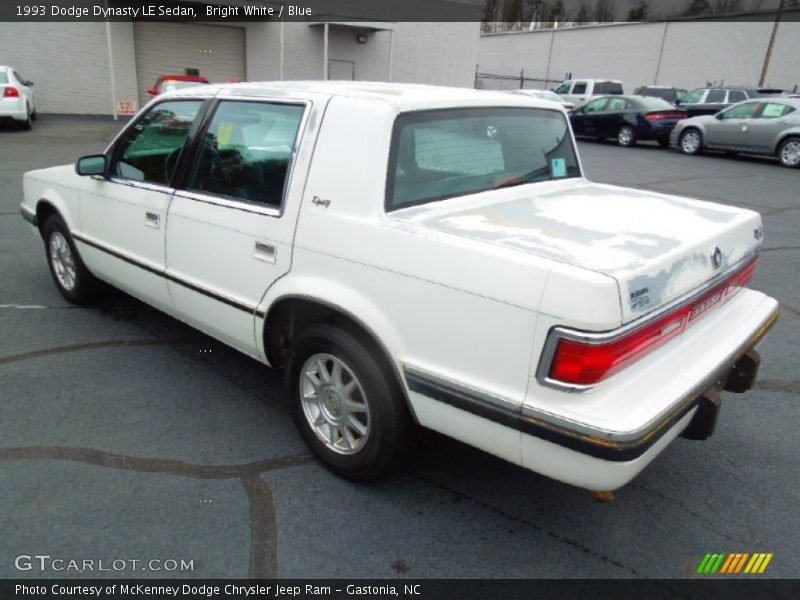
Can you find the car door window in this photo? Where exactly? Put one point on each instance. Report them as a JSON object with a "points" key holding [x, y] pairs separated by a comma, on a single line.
{"points": [[617, 104], [595, 105], [774, 110], [564, 88], [741, 111], [580, 88], [715, 97], [247, 151], [736, 96], [149, 150], [694, 97]]}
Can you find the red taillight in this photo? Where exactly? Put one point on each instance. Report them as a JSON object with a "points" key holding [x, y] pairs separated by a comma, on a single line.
{"points": [[586, 362], [11, 92], [658, 116]]}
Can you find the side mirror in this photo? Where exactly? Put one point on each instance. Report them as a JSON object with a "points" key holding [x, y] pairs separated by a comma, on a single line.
{"points": [[719, 116], [153, 92], [677, 101], [28, 83], [94, 164]]}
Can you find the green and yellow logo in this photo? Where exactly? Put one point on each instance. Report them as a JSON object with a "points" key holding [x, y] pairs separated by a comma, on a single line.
{"points": [[737, 562]]}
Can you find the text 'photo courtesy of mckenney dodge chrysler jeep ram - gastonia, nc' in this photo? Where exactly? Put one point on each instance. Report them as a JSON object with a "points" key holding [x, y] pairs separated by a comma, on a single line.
{"points": [[417, 256]]}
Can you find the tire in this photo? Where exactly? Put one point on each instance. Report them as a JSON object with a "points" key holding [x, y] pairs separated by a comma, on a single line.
{"points": [[34, 116], [27, 125], [626, 136], [70, 274], [357, 423], [789, 152], [663, 142], [691, 142]]}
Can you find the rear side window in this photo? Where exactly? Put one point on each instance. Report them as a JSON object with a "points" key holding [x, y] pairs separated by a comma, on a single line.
{"points": [[3, 77], [655, 103], [607, 88], [247, 151], [736, 96], [580, 88], [774, 110], [444, 153], [149, 150], [693, 97], [742, 111], [715, 97], [617, 104]]}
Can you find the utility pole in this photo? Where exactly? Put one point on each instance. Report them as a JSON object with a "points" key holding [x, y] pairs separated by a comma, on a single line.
{"points": [[772, 37]]}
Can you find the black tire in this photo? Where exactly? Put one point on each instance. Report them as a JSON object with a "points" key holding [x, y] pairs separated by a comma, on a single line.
{"points": [[27, 125], [663, 142], [391, 433], [34, 116], [687, 148], [86, 286], [626, 136], [789, 159]]}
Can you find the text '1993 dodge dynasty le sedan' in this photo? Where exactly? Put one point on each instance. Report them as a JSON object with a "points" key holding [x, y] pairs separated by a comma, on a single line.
{"points": [[415, 255]]}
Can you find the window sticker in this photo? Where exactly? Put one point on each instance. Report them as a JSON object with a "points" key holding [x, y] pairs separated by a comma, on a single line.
{"points": [[224, 133], [558, 166], [772, 111]]}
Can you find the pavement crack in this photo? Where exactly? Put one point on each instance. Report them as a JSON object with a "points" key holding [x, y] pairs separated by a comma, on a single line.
{"points": [[97, 345], [40, 307], [263, 534], [165, 466], [779, 248], [778, 385]]}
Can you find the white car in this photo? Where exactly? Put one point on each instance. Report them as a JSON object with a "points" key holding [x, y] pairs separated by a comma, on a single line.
{"points": [[420, 255], [16, 98], [581, 91], [547, 95]]}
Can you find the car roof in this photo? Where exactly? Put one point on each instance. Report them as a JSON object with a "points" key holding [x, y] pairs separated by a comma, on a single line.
{"points": [[402, 96], [183, 78]]}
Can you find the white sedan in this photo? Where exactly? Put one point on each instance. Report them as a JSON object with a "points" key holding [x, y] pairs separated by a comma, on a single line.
{"points": [[16, 98]]}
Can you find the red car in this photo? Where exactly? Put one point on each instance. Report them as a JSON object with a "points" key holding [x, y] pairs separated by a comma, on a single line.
{"points": [[167, 83]]}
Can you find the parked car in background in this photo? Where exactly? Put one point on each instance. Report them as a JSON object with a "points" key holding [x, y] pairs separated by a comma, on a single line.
{"points": [[665, 92], [628, 119], [488, 290], [770, 127], [168, 83], [17, 102], [580, 91], [546, 95], [707, 101]]}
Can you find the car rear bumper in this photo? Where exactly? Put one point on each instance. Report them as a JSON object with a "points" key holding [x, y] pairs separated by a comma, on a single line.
{"points": [[587, 456], [13, 108]]}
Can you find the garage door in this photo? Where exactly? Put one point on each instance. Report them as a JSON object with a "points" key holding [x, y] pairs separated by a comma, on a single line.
{"points": [[218, 52]]}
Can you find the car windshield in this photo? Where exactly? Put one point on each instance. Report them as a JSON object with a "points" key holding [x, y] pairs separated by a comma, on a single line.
{"points": [[651, 103], [603, 88], [444, 153], [547, 95], [174, 84]]}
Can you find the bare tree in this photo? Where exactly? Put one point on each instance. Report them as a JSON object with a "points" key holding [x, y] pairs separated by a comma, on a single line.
{"points": [[639, 11], [604, 11], [584, 14]]}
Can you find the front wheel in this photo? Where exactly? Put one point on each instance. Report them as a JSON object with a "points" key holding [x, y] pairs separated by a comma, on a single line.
{"points": [[71, 276], [346, 403], [691, 142], [626, 137], [789, 152]]}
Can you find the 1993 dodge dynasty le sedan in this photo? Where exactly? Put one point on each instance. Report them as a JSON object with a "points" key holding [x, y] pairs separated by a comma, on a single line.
{"points": [[414, 255]]}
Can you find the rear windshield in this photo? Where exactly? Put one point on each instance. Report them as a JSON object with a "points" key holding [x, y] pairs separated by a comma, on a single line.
{"points": [[603, 88], [444, 153], [654, 103], [174, 84], [3, 77]]}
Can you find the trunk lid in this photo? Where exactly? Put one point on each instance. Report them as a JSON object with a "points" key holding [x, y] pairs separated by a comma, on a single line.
{"points": [[657, 247]]}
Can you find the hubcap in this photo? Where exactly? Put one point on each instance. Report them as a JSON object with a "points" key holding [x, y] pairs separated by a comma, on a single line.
{"points": [[62, 260], [334, 404], [625, 136], [690, 143], [790, 153]]}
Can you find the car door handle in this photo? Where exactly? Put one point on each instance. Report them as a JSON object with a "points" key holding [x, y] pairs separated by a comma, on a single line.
{"points": [[152, 219], [265, 252]]}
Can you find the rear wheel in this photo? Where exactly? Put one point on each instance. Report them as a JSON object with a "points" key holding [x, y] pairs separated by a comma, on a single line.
{"points": [[626, 137], [71, 276], [789, 152], [346, 404], [26, 125], [691, 142]]}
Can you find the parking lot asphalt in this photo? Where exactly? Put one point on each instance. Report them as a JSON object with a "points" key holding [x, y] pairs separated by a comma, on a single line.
{"points": [[125, 434]]}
